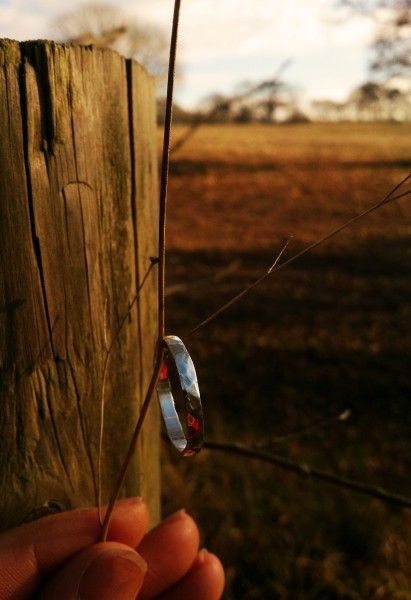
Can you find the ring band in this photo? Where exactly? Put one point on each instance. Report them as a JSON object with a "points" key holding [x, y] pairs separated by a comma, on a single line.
{"points": [[178, 375]]}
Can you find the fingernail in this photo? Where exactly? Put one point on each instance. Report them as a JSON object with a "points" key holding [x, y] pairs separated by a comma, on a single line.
{"points": [[201, 556], [176, 515], [113, 575], [129, 502]]}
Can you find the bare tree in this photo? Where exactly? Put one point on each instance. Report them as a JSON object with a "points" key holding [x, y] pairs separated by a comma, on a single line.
{"points": [[237, 108], [367, 99], [107, 25], [374, 101], [328, 110], [391, 48]]}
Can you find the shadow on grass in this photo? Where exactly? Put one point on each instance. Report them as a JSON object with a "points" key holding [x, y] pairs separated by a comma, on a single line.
{"points": [[187, 167], [329, 333]]}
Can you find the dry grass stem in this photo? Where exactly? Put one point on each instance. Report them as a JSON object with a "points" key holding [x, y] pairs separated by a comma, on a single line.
{"points": [[108, 348], [161, 271], [390, 197]]}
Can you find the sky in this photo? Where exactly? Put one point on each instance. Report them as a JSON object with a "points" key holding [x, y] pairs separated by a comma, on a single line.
{"points": [[226, 42]]}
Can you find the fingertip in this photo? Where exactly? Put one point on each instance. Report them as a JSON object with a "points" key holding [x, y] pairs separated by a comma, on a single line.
{"points": [[129, 521], [178, 530], [116, 574], [180, 536], [32, 551], [210, 573], [204, 581], [182, 524], [108, 571]]}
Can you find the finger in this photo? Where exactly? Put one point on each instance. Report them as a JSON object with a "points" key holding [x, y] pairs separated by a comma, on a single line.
{"points": [[28, 553], [108, 571], [169, 550], [204, 581]]}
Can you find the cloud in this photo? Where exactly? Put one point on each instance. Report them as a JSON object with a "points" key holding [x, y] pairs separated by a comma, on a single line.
{"points": [[224, 28], [232, 39], [211, 28], [22, 20]]}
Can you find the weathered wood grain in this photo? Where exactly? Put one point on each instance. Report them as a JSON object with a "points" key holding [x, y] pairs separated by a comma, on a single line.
{"points": [[78, 225]]}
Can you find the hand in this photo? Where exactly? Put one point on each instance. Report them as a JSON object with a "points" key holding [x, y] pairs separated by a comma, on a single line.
{"points": [[58, 558]]}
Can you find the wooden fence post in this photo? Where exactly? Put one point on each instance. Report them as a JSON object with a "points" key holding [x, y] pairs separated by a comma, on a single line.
{"points": [[78, 226]]}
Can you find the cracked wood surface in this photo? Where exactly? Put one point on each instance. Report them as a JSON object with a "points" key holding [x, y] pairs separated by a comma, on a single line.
{"points": [[78, 225]]}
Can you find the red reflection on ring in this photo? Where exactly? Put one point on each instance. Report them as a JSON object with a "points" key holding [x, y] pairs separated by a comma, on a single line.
{"points": [[163, 372], [193, 425]]}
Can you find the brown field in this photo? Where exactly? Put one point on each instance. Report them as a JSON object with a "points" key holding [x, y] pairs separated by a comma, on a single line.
{"points": [[329, 333]]}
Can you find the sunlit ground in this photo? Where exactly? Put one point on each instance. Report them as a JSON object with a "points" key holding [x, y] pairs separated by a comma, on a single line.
{"points": [[329, 333]]}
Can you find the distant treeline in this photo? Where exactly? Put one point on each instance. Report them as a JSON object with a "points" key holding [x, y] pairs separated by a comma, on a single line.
{"points": [[371, 101]]}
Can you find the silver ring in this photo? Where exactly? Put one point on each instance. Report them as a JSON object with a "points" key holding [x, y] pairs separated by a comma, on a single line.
{"points": [[178, 380]]}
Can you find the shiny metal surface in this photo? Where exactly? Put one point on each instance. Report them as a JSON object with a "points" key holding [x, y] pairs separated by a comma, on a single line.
{"points": [[186, 443]]}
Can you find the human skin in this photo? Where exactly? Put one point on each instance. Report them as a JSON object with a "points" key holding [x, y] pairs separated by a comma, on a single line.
{"points": [[58, 557]]}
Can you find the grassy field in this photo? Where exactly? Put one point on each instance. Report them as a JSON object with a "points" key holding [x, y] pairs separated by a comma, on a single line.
{"points": [[328, 334]]}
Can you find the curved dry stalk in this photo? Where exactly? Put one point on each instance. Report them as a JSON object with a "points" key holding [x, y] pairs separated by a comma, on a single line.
{"points": [[390, 197], [161, 270], [131, 448], [109, 348], [165, 167]]}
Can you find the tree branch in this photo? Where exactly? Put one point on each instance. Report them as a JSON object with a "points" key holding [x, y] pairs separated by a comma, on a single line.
{"points": [[304, 470]]}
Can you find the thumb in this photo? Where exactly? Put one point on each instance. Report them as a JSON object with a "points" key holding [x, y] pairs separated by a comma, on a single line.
{"points": [[107, 571]]}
